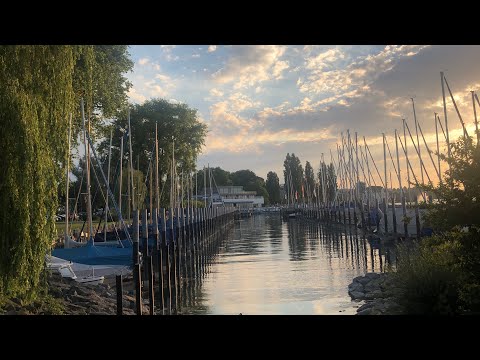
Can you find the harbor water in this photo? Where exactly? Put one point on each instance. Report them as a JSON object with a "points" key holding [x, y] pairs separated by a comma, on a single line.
{"points": [[265, 265]]}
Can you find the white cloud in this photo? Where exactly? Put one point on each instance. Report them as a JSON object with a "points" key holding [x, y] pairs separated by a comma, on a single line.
{"points": [[143, 61], [135, 96], [195, 56], [216, 92], [324, 59], [324, 77], [239, 102], [163, 77], [278, 68], [212, 48], [250, 65]]}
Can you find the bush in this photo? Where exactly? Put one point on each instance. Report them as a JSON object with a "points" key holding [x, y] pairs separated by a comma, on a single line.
{"points": [[429, 280], [441, 275]]}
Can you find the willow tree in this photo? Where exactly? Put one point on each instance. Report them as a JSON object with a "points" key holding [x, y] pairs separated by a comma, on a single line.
{"points": [[40, 88]]}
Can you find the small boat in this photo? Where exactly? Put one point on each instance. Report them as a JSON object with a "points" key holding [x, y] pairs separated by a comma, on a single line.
{"points": [[65, 269]]}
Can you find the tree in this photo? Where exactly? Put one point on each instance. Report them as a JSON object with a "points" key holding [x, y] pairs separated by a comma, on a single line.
{"points": [[441, 274], [459, 194], [273, 187], [98, 78], [222, 178], [309, 181], [174, 120], [326, 175], [39, 90], [293, 175], [250, 182]]}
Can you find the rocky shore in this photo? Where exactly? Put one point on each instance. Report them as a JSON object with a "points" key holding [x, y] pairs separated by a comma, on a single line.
{"points": [[378, 291], [72, 298]]}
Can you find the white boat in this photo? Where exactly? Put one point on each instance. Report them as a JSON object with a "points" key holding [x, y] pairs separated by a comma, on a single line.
{"points": [[92, 274]]}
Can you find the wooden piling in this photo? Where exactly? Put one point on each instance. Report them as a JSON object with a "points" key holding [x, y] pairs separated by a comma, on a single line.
{"points": [[119, 284], [136, 264], [150, 284]]}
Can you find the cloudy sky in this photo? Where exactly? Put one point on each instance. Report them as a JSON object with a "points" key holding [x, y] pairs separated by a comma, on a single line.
{"points": [[260, 102]]}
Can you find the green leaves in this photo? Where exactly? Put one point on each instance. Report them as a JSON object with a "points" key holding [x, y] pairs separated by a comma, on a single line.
{"points": [[273, 188], [34, 102], [41, 86], [459, 193]]}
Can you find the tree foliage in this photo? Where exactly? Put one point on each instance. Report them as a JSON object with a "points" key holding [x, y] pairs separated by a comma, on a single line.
{"points": [[41, 86], [330, 181], [441, 275], [174, 121], [293, 175], [273, 187], [246, 178], [309, 180], [222, 178], [459, 194], [250, 182]]}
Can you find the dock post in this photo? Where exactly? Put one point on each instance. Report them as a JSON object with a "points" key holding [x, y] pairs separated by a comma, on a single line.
{"points": [[119, 294]]}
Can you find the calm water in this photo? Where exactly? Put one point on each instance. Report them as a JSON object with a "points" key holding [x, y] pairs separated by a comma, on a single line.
{"points": [[266, 266]]}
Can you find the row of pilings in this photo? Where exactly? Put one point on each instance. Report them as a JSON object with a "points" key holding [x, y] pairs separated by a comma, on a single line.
{"points": [[171, 256], [348, 214]]}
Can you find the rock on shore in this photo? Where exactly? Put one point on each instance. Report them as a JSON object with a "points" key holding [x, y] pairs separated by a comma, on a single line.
{"points": [[378, 291], [78, 299]]}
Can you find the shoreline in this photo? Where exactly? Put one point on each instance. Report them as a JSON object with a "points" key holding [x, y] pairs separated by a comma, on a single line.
{"points": [[378, 291]]}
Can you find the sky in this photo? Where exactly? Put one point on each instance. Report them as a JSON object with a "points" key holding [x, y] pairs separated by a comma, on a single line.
{"points": [[261, 102]]}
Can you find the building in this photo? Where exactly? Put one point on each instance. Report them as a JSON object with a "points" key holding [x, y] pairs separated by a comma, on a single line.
{"points": [[233, 196]]}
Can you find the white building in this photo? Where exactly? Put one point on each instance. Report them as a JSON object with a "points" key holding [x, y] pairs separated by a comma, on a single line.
{"points": [[233, 196]]}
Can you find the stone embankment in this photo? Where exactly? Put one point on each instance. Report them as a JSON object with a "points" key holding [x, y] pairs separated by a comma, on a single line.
{"points": [[378, 291]]}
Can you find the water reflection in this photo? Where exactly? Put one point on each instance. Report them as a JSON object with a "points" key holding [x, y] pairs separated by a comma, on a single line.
{"points": [[266, 266]]}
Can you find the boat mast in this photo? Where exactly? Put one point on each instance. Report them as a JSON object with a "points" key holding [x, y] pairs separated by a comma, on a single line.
{"points": [[438, 149], [108, 185], [157, 197], [385, 200], [204, 186], [406, 160], [121, 175], [131, 160], [418, 141], [402, 193], [475, 115], [445, 114], [68, 180], [87, 164], [210, 183]]}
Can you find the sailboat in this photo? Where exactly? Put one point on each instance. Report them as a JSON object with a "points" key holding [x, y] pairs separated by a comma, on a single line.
{"points": [[107, 259]]}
